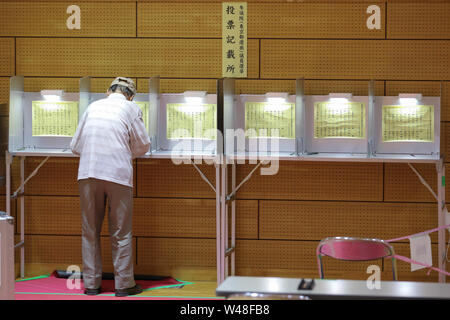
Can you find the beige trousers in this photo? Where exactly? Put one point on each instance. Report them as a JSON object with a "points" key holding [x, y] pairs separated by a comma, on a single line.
{"points": [[93, 196]]}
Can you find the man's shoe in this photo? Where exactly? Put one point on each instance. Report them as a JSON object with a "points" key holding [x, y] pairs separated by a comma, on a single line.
{"points": [[92, 292], [129, 291]]}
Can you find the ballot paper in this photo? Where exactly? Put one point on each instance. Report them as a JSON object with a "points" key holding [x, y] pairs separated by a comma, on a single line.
{"points": [[420, 251], [54, 118], [264, 119], [143, 105], [408, 123], [191, 121], [339, 120]]}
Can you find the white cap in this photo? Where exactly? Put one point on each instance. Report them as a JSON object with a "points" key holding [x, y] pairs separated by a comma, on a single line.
{"points": [[126, 82]]}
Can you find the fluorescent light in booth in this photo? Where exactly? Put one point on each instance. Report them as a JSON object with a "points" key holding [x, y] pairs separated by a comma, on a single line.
{"points": [[276, 97], [409, 99], [52, 95], [58, 93], [340, 98], [339, 102], [194, 102], [194, 97], [276, 101]]}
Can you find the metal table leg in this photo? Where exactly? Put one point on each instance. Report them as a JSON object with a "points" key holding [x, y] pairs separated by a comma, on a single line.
{"points": [[218, 226], [440, 167], [22, 217]]}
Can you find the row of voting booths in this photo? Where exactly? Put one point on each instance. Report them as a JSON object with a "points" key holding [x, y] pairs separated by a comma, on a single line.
{"points": [[335, 125], [338, 125], [228, 129]]}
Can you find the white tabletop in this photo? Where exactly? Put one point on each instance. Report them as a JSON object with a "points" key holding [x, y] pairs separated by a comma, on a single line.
{"points": [[32, 152], [334, 157], [335, 289], [281, 156]]}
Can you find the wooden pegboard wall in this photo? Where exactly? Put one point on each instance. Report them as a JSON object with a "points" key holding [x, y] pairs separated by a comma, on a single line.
{"points": [[311, 20], [7, 57], [401, 183], [63, 250], [316, 220], [58, 176], [355, 59], [99, 19], [418, 20], [180, 85], [194, 218], [298, 259], [171, 252], [162, 178], [310, 181], [167, 19]]}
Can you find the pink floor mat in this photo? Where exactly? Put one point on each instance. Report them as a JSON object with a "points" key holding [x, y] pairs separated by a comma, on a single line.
{"points": [[52, 287]]}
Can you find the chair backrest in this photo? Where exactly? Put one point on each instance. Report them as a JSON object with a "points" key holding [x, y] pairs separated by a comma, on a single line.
{"points": [[265, 296], [355, 249]]}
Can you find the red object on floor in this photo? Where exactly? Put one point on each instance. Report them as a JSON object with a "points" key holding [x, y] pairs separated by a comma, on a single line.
{"points": [[52, 286]]}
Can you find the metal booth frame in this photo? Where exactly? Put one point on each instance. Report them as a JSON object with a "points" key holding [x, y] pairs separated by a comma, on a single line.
{"points": [[231, 158]]}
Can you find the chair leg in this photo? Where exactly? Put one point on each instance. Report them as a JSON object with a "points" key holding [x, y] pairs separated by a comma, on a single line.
{"points": [[394, 268], [319, 263]]}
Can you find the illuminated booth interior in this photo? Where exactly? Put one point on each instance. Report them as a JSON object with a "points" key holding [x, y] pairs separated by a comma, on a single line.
{"points": [[337, 125]]}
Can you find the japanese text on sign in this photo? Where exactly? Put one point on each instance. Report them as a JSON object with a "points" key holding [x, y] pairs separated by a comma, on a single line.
{"points": [[234, 39]]}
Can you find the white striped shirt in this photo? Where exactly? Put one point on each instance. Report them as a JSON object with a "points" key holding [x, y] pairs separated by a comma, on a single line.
{"points": [[110, 134]]}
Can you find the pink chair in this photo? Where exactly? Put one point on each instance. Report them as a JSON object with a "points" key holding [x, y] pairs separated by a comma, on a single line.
{"points": [[354, 249]]}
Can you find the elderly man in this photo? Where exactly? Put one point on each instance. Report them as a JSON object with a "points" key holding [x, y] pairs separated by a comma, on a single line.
{"points": [[110, 134]]}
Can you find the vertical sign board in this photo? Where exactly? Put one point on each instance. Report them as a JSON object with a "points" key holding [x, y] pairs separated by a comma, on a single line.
{"points": [[234, 39]]}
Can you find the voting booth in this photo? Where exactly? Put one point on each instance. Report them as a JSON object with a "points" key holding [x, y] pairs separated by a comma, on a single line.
{"points": [[42, 121], [41, 124], [184, 123], [267, 124], [181, 126], [269, 117], [143, 100], [407, 124], [337, 123]]}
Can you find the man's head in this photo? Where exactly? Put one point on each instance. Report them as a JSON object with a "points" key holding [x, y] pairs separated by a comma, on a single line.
{"points": [[124, 86]]}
